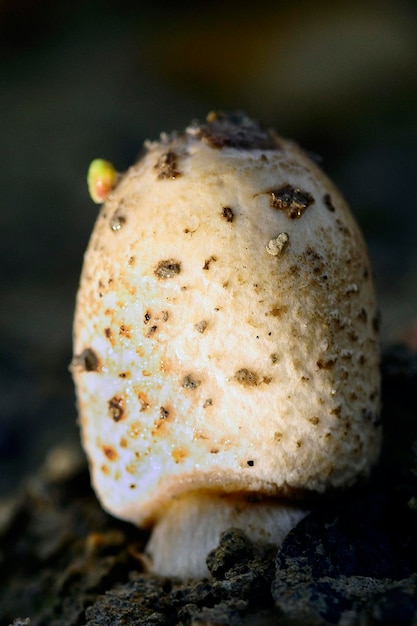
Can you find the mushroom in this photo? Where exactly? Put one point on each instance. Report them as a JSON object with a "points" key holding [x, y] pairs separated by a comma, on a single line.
{"points": [[226, 343]]}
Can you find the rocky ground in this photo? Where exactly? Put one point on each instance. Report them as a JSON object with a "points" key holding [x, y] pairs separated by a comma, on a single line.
{"points": [[352, 561]]}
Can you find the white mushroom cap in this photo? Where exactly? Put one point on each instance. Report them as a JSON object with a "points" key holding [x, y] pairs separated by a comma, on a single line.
{"points": [[225, 332]]}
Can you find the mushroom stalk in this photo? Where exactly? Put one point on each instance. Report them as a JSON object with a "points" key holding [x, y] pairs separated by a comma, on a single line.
{"points": [[191, 527]]}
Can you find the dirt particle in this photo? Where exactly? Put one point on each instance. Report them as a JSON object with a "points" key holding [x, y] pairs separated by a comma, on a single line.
{"points": [[227, 214], [87, 360], [277, 436], [124, 331], [246, 378], [234, 130], [117, 408], [166, 166], [250, 463], [201, 326], [110, 453], [277, 246], [274, 358], [117, 221], [327, 199], [208, 261], [314, 420], [292, 200], [188, 382], [131, 260], [167, 268], [207, 403], [152, 331], [163, 413]]}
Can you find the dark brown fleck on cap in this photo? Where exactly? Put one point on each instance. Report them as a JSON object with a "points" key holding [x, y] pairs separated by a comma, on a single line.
{"points": [[117, 221], [292, 200], [246, 378], [188, 382], [227, 214], [328, 202], [87, 360], [167, 268], [235, 130], [166, 166], [116, 408]]}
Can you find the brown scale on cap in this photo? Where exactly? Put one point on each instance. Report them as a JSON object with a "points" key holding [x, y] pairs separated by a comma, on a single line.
{"points": [[225, 339]]}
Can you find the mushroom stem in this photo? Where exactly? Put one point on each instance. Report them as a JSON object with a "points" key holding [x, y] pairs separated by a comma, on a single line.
{"points": [[191, 527]]}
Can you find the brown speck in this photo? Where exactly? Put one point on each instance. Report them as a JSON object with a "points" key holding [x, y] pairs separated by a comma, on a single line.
{"points": [[314, 420], [131, 260], [188, 382], [274, 358], [326, 364], [143, 400], [208, 402], [117, 221], [227, 214], [109, 334], [292, 200], [214, 451], [87, 360], [277, 436], [132, 486], [151, 331], [166, 166], [123, 442], [278, 311], [110, 453], [163, 413], [116, 408], [246, 378], [167, 268], [207, 262], [164, 315], [146, 317], [124, 331], [124, 375], [363, 315], [328, 202], [201, 326], [179, 454], [336, 411], [298, 443], [105, 470]]}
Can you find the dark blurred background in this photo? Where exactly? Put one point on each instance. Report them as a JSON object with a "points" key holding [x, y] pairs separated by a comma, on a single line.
{"points": [[90, 79]]}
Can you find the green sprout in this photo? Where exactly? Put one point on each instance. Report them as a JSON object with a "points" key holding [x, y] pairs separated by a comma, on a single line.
{"points": [[101, 179]]}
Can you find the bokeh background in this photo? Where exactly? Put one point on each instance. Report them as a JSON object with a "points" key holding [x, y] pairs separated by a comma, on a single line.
{"points": [[87, 79]]}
